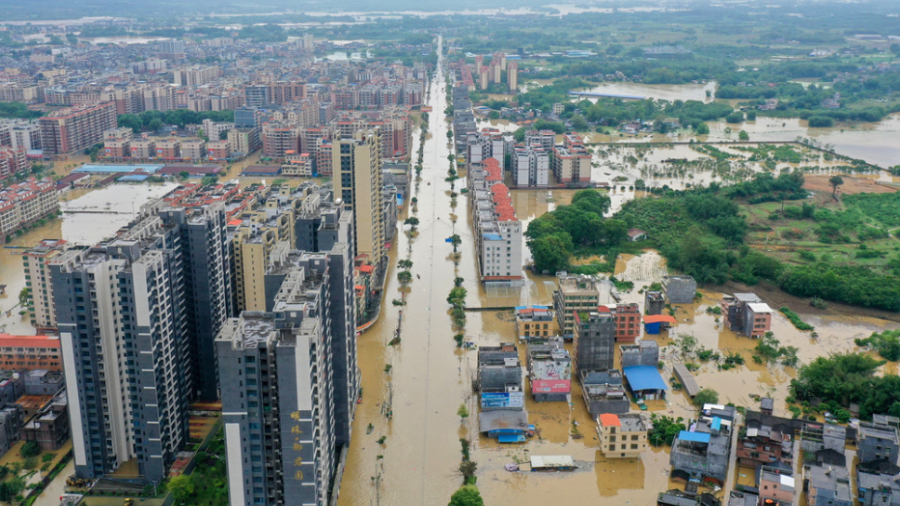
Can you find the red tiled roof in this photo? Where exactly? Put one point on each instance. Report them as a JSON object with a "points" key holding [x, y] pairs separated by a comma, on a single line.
{"points": [[12, 341]]}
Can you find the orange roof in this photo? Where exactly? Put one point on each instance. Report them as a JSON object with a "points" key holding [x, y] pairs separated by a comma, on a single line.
{"points": [[610, 420], [657, 318], [365, 268], [234, 222], [11, 341]]}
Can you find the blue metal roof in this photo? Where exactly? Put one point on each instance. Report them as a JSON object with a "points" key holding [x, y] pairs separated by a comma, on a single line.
{"points": [[111, 169], [716, 423], [644, 377], [695, 437]]}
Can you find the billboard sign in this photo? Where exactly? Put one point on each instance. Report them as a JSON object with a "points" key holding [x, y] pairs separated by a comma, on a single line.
{"points": [[551, 386], [503, 400]]}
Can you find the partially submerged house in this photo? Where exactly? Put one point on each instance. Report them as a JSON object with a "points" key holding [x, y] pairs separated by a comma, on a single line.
{"points": [[549, 371], [747, 314], [604, 392], [701, 454]]}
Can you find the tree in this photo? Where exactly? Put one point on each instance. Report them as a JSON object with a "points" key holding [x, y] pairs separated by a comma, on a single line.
{"points": [[202, 135], [458, 281], [463, 411], [223, 135], [184, 174], [404, 277], [835, 181], [181, 488], [578, 123], [455, 241], [702, 129], [743, 135], [405, 264], [412, 222], [9, 489], [467, 495], [706, 396], [23, 297], [592, 201], [550, 253], [449, 134], [30, 449]]}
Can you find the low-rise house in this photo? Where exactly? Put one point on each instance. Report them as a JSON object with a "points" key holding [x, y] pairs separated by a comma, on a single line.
{"points": [[50, 426], [654, 302], [549, 371], [679, 289], [627, 318], [877, 442], [535, 322], [878, 484], [11, 419], [500, 378], [643, 353], [827, 485], [701, 454], [622, 436], [742, 498], [746, 314], [776, 485], [761, 444], [604, 392]]}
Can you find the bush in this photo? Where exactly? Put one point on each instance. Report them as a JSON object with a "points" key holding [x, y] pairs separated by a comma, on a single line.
{"points": [[820, 122], [735, 117], [795, 319], [30, 449], [706, 396]]}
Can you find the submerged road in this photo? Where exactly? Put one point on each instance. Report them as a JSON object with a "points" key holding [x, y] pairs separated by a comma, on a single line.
{"points": [[418, 462]]}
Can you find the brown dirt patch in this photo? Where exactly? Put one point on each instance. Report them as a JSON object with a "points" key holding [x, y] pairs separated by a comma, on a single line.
{"points": [[851, 185]]}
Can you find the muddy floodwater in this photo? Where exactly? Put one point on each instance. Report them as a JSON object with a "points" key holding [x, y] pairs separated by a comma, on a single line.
{"points": [[704, 92], [428, 377], [88, 217]]}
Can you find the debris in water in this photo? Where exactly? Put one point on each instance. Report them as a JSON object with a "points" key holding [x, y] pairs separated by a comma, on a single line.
{"points": [[511, 467]]}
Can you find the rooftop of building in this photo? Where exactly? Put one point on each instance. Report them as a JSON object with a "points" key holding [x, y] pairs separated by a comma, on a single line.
{"points": [[873, 430], [40, 341]]}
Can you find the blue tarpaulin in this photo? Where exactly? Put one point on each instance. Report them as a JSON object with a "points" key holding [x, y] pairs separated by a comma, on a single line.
{"points": [[511, 438], [644, 377], [695, 437]]}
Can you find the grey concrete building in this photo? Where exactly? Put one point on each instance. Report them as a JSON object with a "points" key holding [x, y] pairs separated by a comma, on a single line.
{"points": [[277, 394], [43, 382], [595, 338], [702, 454], [878, 487], [827, 485], [679, 289], [207, 287], [603, 392], [11, 419], [137, 316], [324, 225], [127, 366], [643, 353], [876, 441], [654, 302]]}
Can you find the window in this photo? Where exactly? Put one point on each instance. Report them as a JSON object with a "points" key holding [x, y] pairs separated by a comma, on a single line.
{"points": [[634, 447]]}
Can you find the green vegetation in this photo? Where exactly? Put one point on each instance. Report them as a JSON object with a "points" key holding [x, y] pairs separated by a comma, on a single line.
{"points": [[17, 110], [154, 120], [795, 319], [769, 349], [886, 343], [574, 229], [30, 449], [467, 495], [848, 378], [706, 396], [664, 429]]}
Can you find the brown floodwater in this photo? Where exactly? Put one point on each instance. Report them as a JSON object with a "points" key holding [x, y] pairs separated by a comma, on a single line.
{"points": [[103, 211]]}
